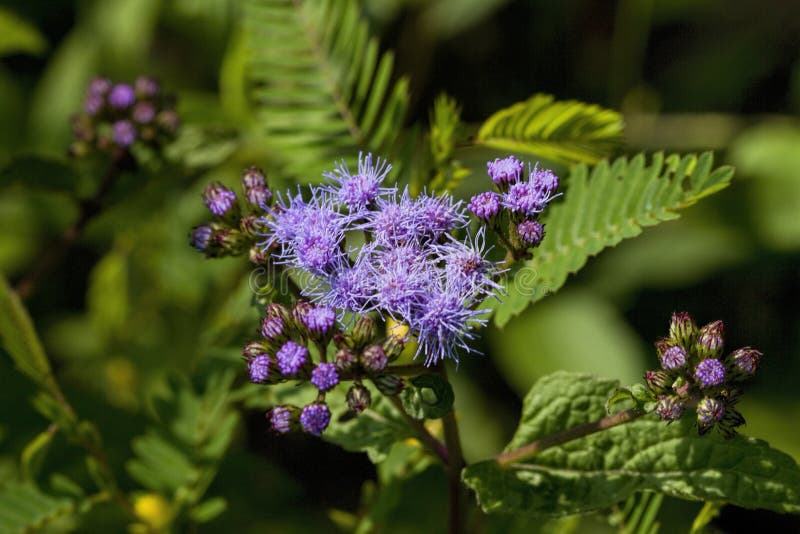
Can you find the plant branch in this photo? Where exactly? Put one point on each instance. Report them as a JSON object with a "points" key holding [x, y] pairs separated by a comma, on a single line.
{"points": [[435, 446], [89, 208], [532, 449], [456, 464]]}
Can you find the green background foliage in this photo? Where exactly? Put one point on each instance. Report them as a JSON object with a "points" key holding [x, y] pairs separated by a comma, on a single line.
{"points": [[145, 336]]}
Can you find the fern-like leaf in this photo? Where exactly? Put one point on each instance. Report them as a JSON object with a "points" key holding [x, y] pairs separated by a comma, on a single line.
{"points": [[24, 508], [319, 85], [601, 209], [562, 132]]}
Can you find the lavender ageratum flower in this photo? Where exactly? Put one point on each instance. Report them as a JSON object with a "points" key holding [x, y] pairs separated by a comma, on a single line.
{"points": [[709, 411], [358, 191], [669, 408], [121, 96], [399, 277], [485, 205], [467, 272], [544, 180], [280, 419], [259, 368], [673, 357], [272, 327], [291, 358], [219, 199], [324, 376], [505, 171], [745, 360], [200, 237], [319, 320], [124, 133], [530, 232], [443, 324], [315, 418], [436, 215], [710, 372], [393, 221], [144, 112]]}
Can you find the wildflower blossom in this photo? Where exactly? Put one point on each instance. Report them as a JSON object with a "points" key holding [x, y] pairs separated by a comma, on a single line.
{"points": [[485, 205], [669, 408], [124, 133], [121, 96], [280, 418], [259, 368], [673, 357], [324, 376], [319, 320], [315, 418], [358, 191], [505, 171], [291, 358], [219, 199], [531, 232], [710, 372]]}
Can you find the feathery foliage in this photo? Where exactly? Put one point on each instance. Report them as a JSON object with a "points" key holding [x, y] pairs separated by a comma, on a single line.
{"points": [[24, 508]]}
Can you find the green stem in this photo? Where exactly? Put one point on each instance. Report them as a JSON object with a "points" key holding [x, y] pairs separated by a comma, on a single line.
{"points": [[532, 449], [455, 465], [435, 446]]}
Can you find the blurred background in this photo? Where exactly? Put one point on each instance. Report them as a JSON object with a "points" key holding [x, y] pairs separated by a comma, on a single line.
{"points": [[135, 320]]}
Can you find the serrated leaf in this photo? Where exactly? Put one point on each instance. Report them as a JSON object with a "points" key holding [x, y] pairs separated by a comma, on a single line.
{"points": [[319, 85], [19, 339], [563, 132], [614, 201], [24, 508], [429, 397], [599, 470]]}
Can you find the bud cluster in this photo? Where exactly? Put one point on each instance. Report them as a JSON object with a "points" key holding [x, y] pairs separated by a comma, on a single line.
{"points": [[512, 209], [236, 225], [115, 116], [694, 373], [283, 352]]}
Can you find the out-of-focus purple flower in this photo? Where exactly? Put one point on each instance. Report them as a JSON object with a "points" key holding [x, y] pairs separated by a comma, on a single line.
{"points": [[710, 372], [530, 232], [505, 171], [319, 319], [200, 237], [121, 96], [485, 205], [93, 104], [144, 112], [219, 199], [291, 358], [99, 86], [146, 87], [315, 418], [280, 419], [124, 133], [324, 376], [673, 357], [358, 191], [255, 188], [259, 368]]}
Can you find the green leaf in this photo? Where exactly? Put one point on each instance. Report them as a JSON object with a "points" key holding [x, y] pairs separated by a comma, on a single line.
{"points": [[39, 172], [563, 132], [17, 35], [599, 470], [320, 87], [33, 455], [429, 397], [208, 510], [24, 508], [613, 202], [19, 339]]}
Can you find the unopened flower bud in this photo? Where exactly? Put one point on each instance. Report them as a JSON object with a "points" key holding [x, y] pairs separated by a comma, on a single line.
{"points": [[275, 309], [744, 362], [673, 357], [319, 321], [485, 205], [282, 419], [315, 418], [226, 242], [255, 188], [709, 412], [682, 329], [504, 172], [710, 341], [530, 233], [168, 121], [669, 408], [257, 255], [253, 349], [259, 368], [710, 372], [272, 328], [364, 332], [144, 112], [292, 357], [389, 385], [201, 237], [220, 200], [299, 311], [324, 376], [657, 381], [374, 359], [344, 360], [392, 347], [146, 87], [124, 133], [358, 398]]}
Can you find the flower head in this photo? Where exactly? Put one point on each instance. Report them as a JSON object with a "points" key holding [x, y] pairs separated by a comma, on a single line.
{"points": [[324, 376], [259, 368], [745, 360], [709, 411], [710, 372], [710, 339], [358, 191], [669, 408], [505, 171], [530, 232], [201, 236], [121, 96], [272, 327], [255, 187], [319, 319], [280, 419], [146, 87], [144, 112], [124, 133], [444, 324], [219, 199], [485, 205], [315, 418], [673, 357], [291, 358]]}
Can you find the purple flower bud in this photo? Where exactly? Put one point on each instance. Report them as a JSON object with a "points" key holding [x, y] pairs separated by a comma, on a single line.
{"points": [[254, 349], [682, 329], [146, 87], [291, 358], [669, 408], [364, 331], [99, 86], [344, 360], [505, 171], [531, 232], [710, 339], [319, 320], [745, 360], [485, 205], [124, 133], [275, 309], [324, 376], [393, 347], [93, 104], [259, 368], [255, 188], [673, 357], [545, 180], [657, 381], [272, 327], [144, 112], [299, 312], [358, 398], [200, 237], [315, 418], [280, 419], [219, 199], [710, 372], [121, 96], [709, 411], [374, 359]]}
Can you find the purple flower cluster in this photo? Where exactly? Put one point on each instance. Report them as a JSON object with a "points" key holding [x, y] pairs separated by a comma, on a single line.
{"points": [[517, 199], [410, 268], [115, 116], [694, 373]]}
